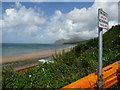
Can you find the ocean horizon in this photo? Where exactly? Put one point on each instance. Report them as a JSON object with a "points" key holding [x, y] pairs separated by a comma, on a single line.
{"points": [[16, 49]]}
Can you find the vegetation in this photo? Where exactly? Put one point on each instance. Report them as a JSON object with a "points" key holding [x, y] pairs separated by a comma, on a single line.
{"points": [[67, 67]]}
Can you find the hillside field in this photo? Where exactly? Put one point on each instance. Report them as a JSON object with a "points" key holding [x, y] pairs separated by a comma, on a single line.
{"points": [[67, 67]]}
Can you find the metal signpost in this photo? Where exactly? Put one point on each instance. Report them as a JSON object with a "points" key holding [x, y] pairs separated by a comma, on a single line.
{"points": [[102, 24]]}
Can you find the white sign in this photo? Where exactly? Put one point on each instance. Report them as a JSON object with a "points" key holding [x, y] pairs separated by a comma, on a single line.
{"points": [[103, 19]]}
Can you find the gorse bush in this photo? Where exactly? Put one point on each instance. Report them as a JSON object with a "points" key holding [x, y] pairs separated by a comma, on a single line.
{"points": [[67, 67]]}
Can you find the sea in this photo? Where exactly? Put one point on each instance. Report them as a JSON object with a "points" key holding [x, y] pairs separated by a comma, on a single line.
{"points": [[16, 49]]}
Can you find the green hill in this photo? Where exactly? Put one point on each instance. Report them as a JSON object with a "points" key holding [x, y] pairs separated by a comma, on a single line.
{"points": [[68, 67]]}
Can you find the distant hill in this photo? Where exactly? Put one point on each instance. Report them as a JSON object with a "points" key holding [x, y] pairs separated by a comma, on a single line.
{"points": [[69, 41]]}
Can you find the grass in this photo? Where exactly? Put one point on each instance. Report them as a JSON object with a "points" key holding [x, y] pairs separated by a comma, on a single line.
{"points": [[67, 67]]}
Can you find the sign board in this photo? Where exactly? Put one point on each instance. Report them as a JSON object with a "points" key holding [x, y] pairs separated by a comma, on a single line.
{"points": [[103, 19]]}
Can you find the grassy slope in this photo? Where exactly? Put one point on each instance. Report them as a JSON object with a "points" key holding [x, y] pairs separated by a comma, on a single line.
{"points": [[68, 67]]}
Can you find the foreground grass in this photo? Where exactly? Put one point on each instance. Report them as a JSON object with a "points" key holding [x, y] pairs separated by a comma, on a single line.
{"points": [[67, 67]]}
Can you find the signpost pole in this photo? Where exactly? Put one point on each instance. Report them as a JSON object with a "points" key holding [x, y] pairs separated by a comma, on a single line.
{"points": [[100, 59], [100, 53]]}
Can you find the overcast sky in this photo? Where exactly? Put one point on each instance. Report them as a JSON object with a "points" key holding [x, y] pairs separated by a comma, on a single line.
{"points": [[46, 22]]}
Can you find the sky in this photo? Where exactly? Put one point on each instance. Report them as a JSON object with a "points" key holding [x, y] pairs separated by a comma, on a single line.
{"points": [[46, 22]]}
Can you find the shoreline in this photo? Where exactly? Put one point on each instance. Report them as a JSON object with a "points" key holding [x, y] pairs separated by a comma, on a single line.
{"points": [[33, 56]]}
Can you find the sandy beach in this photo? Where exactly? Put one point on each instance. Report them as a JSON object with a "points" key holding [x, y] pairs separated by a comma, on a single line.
{"points": [[32, 56]]}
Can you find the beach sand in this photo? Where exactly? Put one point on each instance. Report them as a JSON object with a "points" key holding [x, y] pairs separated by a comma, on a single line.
{"points": [[32, 56]]}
